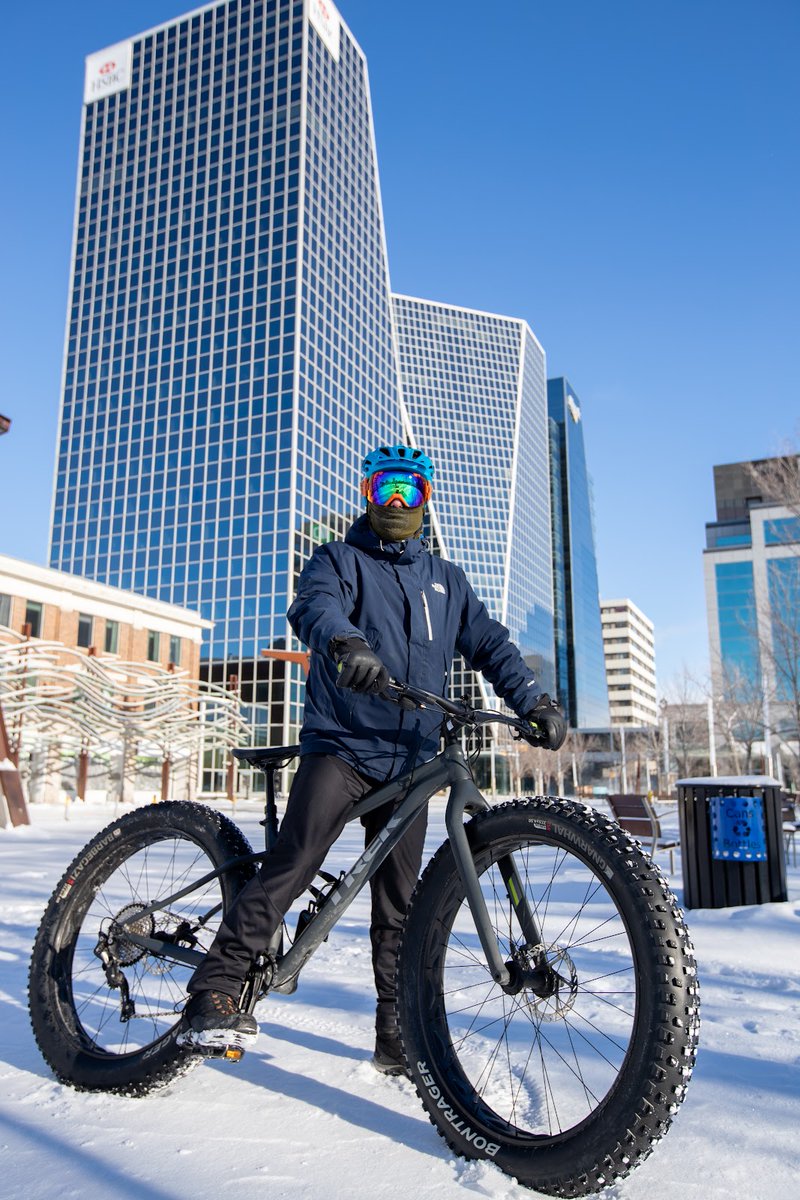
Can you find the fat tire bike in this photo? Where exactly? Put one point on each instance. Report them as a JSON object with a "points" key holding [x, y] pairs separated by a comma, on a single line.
{"points": [[547, 992]]}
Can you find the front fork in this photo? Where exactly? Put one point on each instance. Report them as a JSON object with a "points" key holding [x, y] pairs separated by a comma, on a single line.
{"points": [[465, 798]]}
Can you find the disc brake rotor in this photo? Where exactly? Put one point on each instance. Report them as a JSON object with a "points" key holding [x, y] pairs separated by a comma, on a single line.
{"points": [[556, 1006]]}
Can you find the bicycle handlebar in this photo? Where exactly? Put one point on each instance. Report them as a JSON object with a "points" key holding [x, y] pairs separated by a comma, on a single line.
{"points": [[462, 713]]}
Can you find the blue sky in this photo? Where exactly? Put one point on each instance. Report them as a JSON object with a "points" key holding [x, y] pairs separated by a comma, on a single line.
{"points": [[625, 176]]}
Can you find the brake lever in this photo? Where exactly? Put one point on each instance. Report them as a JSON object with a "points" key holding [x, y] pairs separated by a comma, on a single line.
{"points": [[534, 735], [406, 702]]}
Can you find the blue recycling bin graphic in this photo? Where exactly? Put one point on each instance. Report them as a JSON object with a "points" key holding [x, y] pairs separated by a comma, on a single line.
{"points": [[732, 847], [737, 828]]}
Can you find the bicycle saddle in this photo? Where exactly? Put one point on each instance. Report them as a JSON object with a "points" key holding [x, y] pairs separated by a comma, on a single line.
{"points": [[266, 757]]}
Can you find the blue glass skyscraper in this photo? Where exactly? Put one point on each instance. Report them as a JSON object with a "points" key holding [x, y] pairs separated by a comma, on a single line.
{"points": [[474, 387], [582, 686], [752, 578], [752, 575], [229, 347]]}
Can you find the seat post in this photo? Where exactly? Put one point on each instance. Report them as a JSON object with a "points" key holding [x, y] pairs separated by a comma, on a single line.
{"points": [[271, 809], [270, 760]]}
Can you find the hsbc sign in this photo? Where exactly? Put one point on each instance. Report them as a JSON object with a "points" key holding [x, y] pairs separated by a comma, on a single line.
{"points": [[326, 20], [108, 71]]}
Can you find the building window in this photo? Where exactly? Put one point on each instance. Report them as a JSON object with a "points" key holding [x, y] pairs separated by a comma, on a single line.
{"points": [[153, 646], [738, 627], [33, 617], [782, 532], [175, 650], [84, 630], [5, 610], [112, 637]]}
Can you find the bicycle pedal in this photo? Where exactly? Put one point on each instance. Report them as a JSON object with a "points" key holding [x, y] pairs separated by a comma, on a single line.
{"points": [[233, 1054], [217, 1043], [228, 1053]]}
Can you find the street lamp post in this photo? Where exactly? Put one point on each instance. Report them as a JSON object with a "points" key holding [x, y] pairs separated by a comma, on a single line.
{"points": [[712, 740], [767, 728]]}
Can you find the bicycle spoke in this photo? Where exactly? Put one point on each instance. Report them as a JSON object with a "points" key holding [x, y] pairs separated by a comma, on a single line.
{"points": [[543, 1063], [158, 868]]}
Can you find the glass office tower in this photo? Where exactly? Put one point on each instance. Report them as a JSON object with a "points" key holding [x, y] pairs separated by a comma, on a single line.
{"points": [[582, 687], [229, 349], [474, 387], [752, 578]]}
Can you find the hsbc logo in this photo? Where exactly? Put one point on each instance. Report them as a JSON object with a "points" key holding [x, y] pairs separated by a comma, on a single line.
{"points": [[108, 72], [108, 81], [327, 22]]}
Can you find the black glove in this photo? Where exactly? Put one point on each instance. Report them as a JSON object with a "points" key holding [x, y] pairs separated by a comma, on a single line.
{"points": [[359, 667], [552, 728]]}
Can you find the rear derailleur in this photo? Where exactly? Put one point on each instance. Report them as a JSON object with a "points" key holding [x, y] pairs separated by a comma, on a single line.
{"points": [[114, 977]]}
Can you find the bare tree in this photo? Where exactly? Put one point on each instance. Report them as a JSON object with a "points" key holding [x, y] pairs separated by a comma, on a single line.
{"points": [[687, 718], [532, 766], [780, 649], [739, 715], [643, 747], [751, 702], [579, 749], [778, 480]]}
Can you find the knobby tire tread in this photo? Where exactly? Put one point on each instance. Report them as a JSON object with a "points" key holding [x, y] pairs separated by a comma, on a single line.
{"points": [[602, 1156], [138, 1073]]}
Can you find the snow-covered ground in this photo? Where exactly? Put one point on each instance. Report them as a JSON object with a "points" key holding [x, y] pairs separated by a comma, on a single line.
{"points": [[305, 1116]]}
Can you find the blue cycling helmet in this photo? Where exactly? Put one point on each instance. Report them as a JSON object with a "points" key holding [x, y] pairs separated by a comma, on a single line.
{"points": [[398, 458]]}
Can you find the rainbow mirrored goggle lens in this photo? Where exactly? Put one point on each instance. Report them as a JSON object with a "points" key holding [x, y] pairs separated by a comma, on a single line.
{"points": [[382, 487]]}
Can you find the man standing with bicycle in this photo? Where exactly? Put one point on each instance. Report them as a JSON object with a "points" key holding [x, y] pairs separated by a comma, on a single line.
{"points": [[374, 606]]}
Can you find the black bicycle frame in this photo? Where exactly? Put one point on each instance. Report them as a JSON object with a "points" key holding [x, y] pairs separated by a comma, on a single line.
{"points": [[449, 769]]}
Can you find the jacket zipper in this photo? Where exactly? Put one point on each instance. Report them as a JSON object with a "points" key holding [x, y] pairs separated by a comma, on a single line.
{"points": [[427, 615]]}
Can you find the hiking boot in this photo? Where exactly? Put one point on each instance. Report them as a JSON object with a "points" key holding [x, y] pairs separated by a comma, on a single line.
{"points": [[388, 1057], [215, 1026]]}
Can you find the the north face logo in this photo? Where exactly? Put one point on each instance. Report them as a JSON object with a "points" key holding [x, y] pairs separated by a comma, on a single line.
{"points": [[438, 587]]}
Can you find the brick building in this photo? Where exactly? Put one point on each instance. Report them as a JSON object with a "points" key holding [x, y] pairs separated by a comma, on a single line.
{"points": [[54, 606]]}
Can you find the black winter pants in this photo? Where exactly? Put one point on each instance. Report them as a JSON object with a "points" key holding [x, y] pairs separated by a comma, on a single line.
{"points": [[323, 792]]}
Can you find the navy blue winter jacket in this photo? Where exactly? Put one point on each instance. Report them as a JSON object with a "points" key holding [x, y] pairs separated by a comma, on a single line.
{"points": [[415, 611]]}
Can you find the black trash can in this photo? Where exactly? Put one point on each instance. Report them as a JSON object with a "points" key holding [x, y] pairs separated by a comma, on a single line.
{"points": [[731, 841]]}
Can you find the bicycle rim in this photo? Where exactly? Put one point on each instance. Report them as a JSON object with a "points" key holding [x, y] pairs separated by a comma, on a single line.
{"points": [[541, 1066], [157, 986]]}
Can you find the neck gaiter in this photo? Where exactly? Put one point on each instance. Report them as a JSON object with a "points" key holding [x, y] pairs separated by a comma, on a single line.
{"points": [[394, 524]]}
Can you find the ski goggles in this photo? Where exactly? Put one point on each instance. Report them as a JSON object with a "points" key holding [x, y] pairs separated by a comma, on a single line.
{"points": [[408, 487]]}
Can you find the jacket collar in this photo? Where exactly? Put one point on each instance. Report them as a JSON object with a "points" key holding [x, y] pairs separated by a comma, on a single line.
{"points": [[361, 535]]}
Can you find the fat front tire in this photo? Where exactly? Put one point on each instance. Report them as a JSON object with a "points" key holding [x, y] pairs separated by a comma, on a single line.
{"points": [[566, 1085], [77, 1017]]}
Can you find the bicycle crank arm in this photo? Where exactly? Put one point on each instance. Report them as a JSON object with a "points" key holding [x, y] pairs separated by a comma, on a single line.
{"points": [[166, 950]]}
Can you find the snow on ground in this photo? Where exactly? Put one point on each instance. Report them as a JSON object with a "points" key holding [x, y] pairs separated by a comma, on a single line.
{"points": [[304, 1116]]}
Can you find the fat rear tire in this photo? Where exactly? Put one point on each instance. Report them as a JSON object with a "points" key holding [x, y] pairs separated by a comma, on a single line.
{"points": [[154, 851]]}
